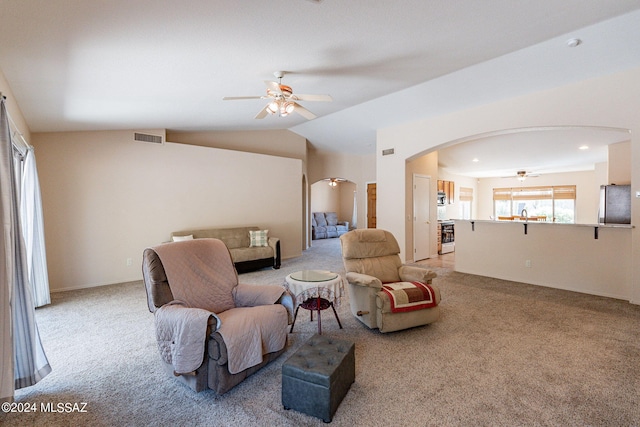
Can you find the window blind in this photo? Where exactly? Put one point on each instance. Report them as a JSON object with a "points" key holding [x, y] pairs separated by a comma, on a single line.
{"points": [[532, 193], [564, 192], [466, 194], [535, 193], [501, 194]]}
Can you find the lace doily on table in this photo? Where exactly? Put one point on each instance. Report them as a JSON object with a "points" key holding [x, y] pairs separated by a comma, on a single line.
{"points": [[333, 291]]}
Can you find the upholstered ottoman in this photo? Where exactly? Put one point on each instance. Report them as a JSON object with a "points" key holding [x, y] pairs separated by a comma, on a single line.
{"points": [[316, 378]]}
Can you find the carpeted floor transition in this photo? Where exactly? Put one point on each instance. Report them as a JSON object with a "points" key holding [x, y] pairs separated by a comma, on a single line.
{"points": [[502, 354]]}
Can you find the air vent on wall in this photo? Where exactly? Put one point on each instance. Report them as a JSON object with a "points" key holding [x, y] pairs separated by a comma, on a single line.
{"points": [[145, 137]]}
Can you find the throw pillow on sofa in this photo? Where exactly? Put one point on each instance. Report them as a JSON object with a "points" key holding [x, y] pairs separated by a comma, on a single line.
{"points": [[258, 238]]}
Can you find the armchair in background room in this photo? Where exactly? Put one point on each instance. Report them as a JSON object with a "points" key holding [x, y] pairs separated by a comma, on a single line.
{"points": [[212, 332], [384, 293]]}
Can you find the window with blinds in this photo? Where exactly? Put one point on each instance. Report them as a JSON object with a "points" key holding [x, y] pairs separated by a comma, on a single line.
{"points": [[546, 203], [465, 196]]}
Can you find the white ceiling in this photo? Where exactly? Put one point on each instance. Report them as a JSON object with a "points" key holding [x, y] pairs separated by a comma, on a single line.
{"points": [[533, 150], [147, 64]]}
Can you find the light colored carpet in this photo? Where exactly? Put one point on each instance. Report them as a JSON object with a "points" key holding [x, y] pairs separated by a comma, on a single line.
{"points": [[503, 354]]}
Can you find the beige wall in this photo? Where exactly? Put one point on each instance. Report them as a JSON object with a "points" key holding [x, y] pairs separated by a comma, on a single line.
{"points": [[325, 198], [611, 101], [345, 213], [281, 143], [619, 163], [358, 169], [106, 198], [338, 199], [14, 109]]}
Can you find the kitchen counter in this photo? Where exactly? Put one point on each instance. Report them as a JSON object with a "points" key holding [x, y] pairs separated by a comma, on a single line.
{"points": [[518, 221], [587, 258]]}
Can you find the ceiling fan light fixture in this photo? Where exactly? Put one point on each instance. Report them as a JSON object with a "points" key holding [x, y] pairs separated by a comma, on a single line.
{"points": [[333, 182], [287, 108], [273, 107], [281, 100]]}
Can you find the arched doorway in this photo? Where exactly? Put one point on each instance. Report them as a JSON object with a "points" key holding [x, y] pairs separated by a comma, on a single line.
{"points": [[335, 195]]}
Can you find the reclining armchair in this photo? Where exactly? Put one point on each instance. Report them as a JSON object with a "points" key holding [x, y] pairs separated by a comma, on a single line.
{"points": [[212, 332], [384, 293]]}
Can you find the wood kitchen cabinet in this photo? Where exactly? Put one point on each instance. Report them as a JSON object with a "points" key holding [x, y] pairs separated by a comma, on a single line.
{"points": [[448, 188]]}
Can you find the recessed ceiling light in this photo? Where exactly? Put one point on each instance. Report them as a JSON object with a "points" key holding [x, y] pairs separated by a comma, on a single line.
{"points": [[573, 42], [475, 160], [583, 147]]}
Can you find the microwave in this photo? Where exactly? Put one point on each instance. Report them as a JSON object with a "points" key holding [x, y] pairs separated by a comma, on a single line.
{"points": [[442, 198]]}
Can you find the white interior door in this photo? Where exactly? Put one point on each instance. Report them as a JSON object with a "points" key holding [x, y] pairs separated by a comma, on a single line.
{"points": [[421, 216]]}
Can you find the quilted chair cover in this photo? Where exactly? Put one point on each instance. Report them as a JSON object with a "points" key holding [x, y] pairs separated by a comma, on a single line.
{"points": [[371, 259], [205, 280]]}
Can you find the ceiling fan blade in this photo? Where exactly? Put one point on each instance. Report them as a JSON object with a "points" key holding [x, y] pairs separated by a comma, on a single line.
{"points": [[232, 98], [303, 112], [263, 113], [321, 98], [273, 86]]}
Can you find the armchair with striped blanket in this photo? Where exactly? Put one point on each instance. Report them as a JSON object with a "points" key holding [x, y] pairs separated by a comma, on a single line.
{"points": [[384, 293]]}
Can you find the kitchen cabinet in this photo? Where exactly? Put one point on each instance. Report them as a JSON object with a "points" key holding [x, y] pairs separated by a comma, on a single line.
{"points": [[448, 188]]}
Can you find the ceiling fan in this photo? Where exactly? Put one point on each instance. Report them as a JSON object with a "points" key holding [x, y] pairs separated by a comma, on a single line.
{"points": [[334, 181], [282, 100], [522, 175]]}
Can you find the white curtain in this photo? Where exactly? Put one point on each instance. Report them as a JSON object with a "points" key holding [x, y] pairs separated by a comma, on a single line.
{"points": [[354, 217], [33, 230], [23, 360]]}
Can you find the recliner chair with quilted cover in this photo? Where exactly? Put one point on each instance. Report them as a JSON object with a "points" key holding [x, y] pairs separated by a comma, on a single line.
{"points": [[384, 293], [212, 332]]}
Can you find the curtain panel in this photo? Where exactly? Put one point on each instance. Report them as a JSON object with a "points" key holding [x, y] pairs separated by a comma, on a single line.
{"points": [[23, 360], [33, 229]]}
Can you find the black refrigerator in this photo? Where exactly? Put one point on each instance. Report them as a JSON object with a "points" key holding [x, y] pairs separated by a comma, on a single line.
{"points": [[615, 204]]}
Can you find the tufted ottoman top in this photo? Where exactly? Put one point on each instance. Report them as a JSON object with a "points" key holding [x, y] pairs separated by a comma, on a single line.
{"points": [[318, 359]]}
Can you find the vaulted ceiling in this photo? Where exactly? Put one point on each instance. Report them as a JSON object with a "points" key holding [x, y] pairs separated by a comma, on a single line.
{"points": [[146, 64]]}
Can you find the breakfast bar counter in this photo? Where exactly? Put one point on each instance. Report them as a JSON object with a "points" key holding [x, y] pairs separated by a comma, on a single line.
{"points": [[587, 258]]}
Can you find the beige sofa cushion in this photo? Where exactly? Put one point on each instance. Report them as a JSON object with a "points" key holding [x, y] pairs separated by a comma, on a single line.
{"points": [[237, 237], [249, 254]]}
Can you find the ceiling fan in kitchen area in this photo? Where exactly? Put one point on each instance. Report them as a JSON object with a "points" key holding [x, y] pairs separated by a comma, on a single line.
{"points": [[282, 101], [522, 175]]}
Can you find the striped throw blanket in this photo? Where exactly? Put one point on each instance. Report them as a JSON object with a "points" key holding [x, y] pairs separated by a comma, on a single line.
{"points": [[409, 296]]}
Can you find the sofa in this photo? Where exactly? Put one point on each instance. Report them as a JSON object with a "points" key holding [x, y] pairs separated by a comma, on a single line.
{"points": [[325, 225], [251, 248]]}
